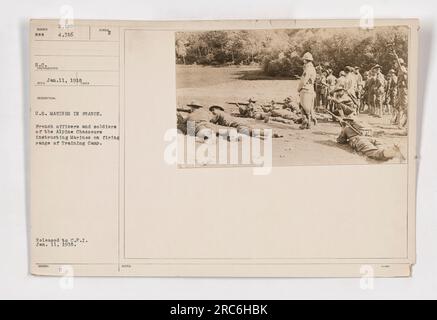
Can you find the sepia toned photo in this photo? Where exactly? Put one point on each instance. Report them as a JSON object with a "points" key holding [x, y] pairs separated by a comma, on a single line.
{"points": [[266, 110], [321, 96]]}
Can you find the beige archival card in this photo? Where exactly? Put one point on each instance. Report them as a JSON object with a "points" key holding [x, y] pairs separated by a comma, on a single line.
{"points": [[223, 148]]}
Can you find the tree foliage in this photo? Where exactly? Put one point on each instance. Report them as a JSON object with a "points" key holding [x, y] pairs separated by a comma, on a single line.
{"points": [[278, 52]]}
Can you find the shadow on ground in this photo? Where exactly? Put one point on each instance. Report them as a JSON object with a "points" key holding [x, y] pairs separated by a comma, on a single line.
{"points": [[345, 147], [257, 75]]}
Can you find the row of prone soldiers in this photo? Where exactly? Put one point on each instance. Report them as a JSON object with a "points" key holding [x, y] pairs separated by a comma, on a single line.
{"points": [[196, 120], [287, 111], [373, 92]]}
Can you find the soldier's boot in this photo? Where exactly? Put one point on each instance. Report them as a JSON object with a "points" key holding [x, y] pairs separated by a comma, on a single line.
{"points": [[394, 152], [267, 117], [305, 121], [394, 119], [309, 122], [403, 120]]}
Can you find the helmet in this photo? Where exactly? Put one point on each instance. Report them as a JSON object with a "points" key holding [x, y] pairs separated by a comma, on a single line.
{"points": [[339, 87], [213, 107], [251, 99], [307, 56], [194, 104]]}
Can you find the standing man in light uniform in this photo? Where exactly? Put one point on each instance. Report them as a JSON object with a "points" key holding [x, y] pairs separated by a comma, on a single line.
{"points": [[306, 91]]}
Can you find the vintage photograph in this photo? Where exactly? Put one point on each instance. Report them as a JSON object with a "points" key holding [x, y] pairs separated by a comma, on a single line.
{"points": [[324, 96]]}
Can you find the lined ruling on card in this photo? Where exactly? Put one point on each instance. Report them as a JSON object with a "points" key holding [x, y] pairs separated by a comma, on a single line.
{"points": [[75, 56], [72, 61]]}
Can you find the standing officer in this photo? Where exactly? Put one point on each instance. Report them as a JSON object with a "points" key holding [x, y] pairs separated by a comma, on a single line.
{"points": [[306, 91]]}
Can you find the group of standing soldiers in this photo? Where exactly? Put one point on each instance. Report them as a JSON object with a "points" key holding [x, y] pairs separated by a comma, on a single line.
{"points": [[371, 92], [348, 95]]}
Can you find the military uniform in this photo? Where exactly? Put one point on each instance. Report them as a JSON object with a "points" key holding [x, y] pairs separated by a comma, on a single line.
{"points": [[223, 119], [324, 90], [351, 84], [284, 113], [368, 146], [379, 93], [258, 113], [246, 109], [331, 81], [343, 105], [371, 93], [402, 95], [292, 104], [321, 88], [391, 93], [252, 110], [199, 120], [360, 85], [306, 91]]}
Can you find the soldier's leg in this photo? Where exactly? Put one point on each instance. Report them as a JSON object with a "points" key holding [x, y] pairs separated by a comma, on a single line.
{"points": [[244, 130], [364, 101], [307, 105], [324, 100], [243, 110], [395, 116], [260, 116], [369, 103], [388, 104], [377, 106], [205, 131], [317, 100], [304, 122], [312, 114], [340, 112], [383, 152], [403, 107], [181, 124], [386, 153], [380, 105], [403, 119], [281, 120]]}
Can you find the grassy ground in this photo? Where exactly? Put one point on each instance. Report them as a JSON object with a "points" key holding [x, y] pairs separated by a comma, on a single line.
{"points": [[218, 85]]}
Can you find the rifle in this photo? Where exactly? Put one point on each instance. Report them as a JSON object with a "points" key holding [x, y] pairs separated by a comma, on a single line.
{"points": [[183, 109], [342, 104], [393, 51], [349, 95], [327, 86], [239, 103], [353, 99], [341, 121]]}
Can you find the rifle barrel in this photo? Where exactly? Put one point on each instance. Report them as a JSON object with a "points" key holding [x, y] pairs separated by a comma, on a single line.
{"points": [[342, 121]]}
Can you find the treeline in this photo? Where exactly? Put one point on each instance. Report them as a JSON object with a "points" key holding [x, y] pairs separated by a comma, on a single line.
{"points": [[278, 52]]}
